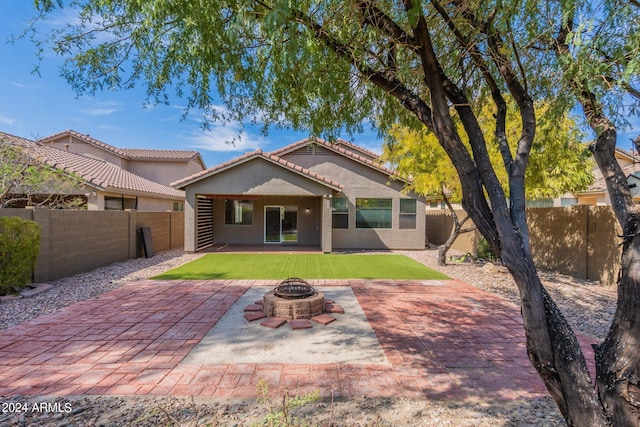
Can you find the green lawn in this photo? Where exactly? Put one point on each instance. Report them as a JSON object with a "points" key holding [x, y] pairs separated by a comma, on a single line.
{"points": [[306, 266]]}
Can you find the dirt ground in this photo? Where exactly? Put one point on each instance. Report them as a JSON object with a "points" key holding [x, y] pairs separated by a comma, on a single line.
{"points": [[167, 411]]}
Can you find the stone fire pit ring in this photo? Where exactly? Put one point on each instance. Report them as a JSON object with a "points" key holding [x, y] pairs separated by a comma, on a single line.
{"points": [[293, 299]]}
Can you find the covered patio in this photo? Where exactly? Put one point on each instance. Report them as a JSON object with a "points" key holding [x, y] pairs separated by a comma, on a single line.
{"points": [[258, 200]]}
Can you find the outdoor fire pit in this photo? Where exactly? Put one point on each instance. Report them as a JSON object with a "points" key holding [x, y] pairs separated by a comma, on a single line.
{"points": [[294, 298]]}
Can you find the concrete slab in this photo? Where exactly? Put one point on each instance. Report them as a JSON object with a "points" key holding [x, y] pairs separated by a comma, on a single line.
{"points": [[34, 289], [350, 339]]}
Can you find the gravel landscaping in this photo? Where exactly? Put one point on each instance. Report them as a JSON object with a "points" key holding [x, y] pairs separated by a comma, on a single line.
{"points": [[588, 306]]}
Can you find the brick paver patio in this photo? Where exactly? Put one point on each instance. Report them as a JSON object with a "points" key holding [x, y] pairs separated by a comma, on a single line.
{"points": [[442, 339]]}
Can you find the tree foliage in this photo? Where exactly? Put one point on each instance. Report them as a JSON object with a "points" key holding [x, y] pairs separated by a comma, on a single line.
{"points": [[19, 250], [560, 162], [329, 65], [26, 181]]}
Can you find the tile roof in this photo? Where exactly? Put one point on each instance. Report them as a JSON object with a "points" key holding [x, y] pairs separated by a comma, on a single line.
{"points": [[96, 173], [253, 155], [356, 148], [128, 153], [599, 184], [338, 148], [85, 138], [152, 154]]}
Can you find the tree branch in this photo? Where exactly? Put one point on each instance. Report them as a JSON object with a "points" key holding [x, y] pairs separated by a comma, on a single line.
{"points": [[389, 84], [496, 93], [604, 147]]}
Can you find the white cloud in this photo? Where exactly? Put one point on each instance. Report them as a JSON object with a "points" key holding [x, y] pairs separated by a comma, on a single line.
{"points": [[7, 120], [103, 109], [100, 111], [224, 138]]}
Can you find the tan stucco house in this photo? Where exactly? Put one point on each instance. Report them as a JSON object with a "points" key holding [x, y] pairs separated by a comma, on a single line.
{"points": [[310, 193], [113, 178]]}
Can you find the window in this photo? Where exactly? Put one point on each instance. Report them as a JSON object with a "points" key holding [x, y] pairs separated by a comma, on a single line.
{"points": [[373, 213], [113, 204], [178, 206], [340, 213], [408, 214], [238, 212], [539, 203]]}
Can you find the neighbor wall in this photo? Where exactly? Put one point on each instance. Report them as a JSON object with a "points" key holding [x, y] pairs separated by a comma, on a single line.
{"points": [[439, 225], [580, 241], [74, 241]]}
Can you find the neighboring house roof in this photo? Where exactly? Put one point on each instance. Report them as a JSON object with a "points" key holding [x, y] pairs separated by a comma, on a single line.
{"points": [[130, 153], [152, 154], [96, 173], [339, 149], [84, 138], [600, 186], [258, 154]]}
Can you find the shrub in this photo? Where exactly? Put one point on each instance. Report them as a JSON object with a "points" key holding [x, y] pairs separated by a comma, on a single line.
{"points": [[484, 251], [19, 249]]}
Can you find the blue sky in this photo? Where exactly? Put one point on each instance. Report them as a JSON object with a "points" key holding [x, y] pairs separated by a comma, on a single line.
{"points": [[34, 106]]}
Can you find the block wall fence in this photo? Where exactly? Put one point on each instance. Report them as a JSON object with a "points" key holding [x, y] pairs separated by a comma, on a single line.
{"points": [[579, 241], [75, 241]]}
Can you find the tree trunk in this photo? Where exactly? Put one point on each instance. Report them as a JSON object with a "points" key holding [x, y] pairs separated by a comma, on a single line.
{"points": [[552, 346], [444, 248], [618, 356], [455, 232]]}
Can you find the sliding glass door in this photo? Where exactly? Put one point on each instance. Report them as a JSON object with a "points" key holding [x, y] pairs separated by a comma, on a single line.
{"points": [[280, 224]]}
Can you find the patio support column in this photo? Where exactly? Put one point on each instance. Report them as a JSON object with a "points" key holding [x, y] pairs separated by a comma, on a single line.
{"points": [[189, 221], [325, 240]]}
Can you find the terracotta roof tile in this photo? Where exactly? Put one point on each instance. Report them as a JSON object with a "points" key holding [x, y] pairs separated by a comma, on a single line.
{"points": [[126, 153], [86, 138], [257, 154], [353, 147], [97, 173], [340, 149], [151, 154]]}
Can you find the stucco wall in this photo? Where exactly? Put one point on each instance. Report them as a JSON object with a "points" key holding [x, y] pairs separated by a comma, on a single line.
{"points": [[164, 172], [77, 241], [258, 177], [75, 145], [308, 222], [361, 181]]}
